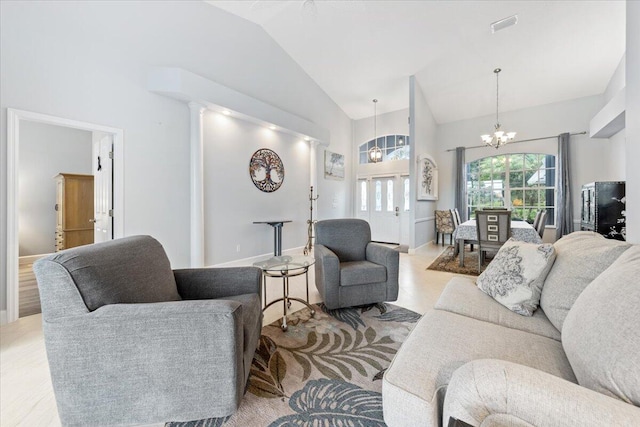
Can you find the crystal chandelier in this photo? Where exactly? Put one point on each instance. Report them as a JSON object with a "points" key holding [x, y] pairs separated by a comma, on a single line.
{"points": [[375, 153], [499, 137]]}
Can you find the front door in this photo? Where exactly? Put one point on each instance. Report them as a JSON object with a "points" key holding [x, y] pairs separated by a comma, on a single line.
{"points": [[384, 208], [103, 187]]}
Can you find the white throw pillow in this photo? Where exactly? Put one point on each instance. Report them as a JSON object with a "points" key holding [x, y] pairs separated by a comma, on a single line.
{"points": [[515, 276]]}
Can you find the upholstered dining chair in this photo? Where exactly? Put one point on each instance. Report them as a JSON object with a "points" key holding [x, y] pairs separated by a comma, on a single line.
{"points": [[542, 222], [351, 270], [494, 228], [444, 225], [131, 341]]}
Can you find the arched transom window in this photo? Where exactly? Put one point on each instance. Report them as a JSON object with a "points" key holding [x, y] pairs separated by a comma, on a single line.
{"points": [[392, 147]]}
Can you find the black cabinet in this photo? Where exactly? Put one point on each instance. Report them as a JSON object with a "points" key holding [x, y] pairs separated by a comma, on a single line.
{"points": [[603, 205]]}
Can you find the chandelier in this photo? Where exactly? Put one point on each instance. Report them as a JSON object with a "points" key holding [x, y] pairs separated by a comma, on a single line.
{"points": [[499, 137], [375, 153]]}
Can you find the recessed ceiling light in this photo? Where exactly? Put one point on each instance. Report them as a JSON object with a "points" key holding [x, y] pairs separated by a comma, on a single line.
{"points": [[226, 112], [272, 127], [504, 23], [306, 138]]}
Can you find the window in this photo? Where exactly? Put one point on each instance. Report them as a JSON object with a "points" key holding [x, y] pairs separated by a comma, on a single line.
{"points": [[363, 195], [390, 195], [406, 194], [525, 183], [393, 147], [378, 196]]}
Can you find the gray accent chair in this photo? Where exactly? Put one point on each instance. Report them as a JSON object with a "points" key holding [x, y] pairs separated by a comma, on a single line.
{"points": [[350, 269], [131, 341]]}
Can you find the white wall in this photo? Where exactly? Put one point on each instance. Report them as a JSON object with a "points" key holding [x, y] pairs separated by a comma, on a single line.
{"points": [[233, 203], [89, 61], [632, 129], [592, 159], [393, 123], [46, 151]]}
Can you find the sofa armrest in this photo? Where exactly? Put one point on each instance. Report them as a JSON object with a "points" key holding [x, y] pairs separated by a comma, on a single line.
{"points": [[488, 390], [212, 283], [390, 258], [383, 255], [128, 354], [327, 274]]}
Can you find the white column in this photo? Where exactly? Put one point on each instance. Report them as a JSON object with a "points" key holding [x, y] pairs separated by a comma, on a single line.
{"points": [[313, 164], [197, 185]]}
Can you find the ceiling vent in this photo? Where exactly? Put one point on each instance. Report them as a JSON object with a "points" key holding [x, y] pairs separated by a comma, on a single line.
{"points": [[504, 23]]}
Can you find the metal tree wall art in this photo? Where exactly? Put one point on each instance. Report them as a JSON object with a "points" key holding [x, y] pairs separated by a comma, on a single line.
{"points": [[266, 170]]}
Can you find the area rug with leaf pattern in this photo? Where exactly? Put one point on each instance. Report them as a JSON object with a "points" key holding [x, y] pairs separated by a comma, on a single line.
{"points": [[326, 370]]}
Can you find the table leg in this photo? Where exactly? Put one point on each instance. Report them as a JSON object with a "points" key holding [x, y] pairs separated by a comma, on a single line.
{"points": [[461, 251], [277, 239], [284, 304]]}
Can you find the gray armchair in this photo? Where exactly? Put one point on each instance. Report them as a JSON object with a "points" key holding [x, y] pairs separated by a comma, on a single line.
{"points": [[350, 270], [130, 341]]}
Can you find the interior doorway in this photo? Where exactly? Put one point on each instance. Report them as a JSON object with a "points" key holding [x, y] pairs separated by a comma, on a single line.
{"points": [[106, 183]]}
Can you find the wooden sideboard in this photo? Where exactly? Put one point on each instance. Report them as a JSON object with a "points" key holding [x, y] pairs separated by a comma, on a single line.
{"points": [[74, 210]]}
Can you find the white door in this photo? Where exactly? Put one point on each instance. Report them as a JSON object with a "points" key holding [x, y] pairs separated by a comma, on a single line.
{"points": [[102, 187], [384, 209]]}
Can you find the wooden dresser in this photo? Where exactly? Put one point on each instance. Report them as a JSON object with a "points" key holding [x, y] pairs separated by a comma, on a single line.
{"points": [[74, 210]]}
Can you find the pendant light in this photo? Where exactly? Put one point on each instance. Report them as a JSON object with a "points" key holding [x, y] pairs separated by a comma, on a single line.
{"points": [[499, 137], [375, 153]]}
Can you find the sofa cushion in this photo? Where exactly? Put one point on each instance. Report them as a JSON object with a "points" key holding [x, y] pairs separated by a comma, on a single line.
{"points": [[361, 273], [462, 296], [515, 276], [601, 334], [129, 270], [415, 383], [580, 258]]}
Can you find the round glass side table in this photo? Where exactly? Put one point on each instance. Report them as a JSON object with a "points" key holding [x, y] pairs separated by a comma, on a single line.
{"points": [[285, 267]]}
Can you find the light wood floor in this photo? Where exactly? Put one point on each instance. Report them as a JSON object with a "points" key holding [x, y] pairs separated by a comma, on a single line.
{"points": [[26, 395]]}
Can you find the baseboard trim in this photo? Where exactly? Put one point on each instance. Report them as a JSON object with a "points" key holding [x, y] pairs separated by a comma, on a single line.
{"points": [[412, 251]]}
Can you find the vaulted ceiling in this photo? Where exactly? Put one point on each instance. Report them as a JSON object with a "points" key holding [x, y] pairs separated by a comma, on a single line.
{"points": [[357, 50]]}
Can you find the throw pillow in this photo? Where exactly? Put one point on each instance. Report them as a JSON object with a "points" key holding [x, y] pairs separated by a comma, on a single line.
{"points": [[515, 276]]}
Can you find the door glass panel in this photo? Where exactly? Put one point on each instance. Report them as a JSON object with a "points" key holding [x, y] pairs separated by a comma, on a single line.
{"points": [[378, 196], [406, 194], [389, 196], [363, 195]]}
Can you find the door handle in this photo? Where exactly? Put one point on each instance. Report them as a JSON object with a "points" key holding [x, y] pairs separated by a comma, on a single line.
{"points": [[397, 211], [92, 220]]}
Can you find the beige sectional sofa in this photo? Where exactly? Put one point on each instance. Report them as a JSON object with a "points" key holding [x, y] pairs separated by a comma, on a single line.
{"points": [[575, 362]]}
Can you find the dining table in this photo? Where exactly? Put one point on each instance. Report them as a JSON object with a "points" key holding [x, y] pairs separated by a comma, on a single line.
{"points": [[467, 232]]}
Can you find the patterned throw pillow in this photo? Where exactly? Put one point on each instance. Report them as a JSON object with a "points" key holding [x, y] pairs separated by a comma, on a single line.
{"points": [[515, 276]]}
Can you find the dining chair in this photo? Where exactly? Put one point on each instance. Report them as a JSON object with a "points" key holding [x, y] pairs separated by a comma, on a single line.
{"points": [[455, 214], [494, 228], [542, 222], [536, 220], [445, 225]]}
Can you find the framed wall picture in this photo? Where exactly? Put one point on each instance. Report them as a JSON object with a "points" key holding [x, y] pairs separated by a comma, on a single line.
{"points": [[333, 165], [427, 178]]}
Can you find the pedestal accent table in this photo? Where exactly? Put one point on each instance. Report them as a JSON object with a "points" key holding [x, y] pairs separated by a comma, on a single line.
{"points": [[277, 234]]}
